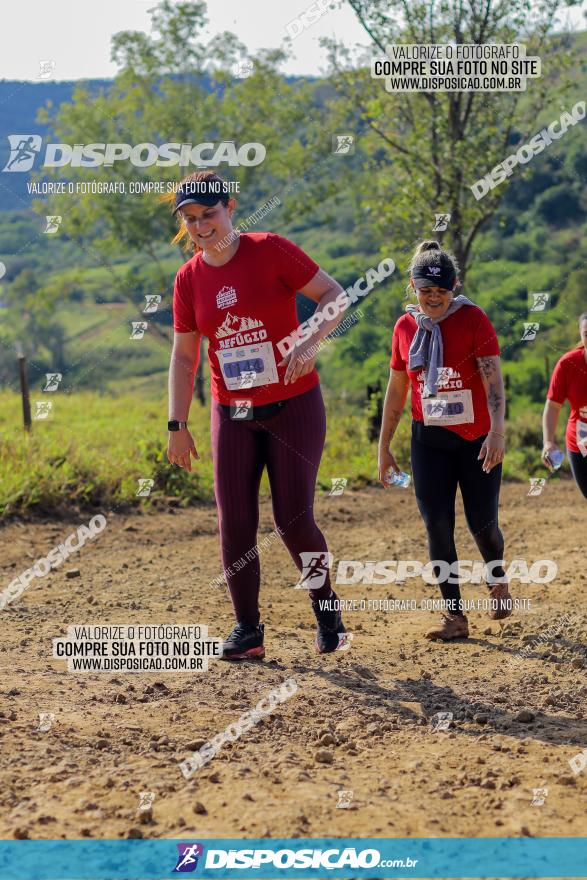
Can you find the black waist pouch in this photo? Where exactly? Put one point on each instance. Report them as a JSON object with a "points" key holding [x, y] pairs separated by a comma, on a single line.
{"points": [[263, 412]]}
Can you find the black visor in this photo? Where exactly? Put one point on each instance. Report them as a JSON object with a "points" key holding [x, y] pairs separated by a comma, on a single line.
{"points": [[434, 276], [199, 192]]}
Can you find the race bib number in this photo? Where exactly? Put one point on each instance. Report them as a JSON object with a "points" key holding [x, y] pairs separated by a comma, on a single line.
{"points": [[248, 366], [581, 437], [448, 408]]}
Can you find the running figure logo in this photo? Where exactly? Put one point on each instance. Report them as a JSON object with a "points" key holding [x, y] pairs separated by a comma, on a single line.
{"points": [[345, 797], [536, 485], [530, 331], [247, 378], [338, 485], [187, 860], [145, 486], [138, 329], [315, 569], [53, 222], [243, 69], [540, 795], [540, 302], [146, 799], [43, 409], [445, 374], [441, 222], [436, 407], [46, 68], [441, 721], [53, 380], [241, 409], [46, 719], [153, 300], [343, 144], [23, 149]]}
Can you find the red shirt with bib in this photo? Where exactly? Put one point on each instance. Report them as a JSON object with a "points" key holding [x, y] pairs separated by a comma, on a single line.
{"points": [[461, 402], [246, 307], [569, 382]]}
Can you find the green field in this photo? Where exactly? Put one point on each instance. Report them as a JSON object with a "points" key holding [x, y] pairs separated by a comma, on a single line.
{"points": [[94, 448], [69, 299]]}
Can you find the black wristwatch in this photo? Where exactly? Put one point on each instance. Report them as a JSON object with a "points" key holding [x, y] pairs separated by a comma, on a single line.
{"points": [[176, 426]]}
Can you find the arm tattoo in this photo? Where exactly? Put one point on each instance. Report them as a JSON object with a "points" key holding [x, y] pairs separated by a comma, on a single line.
{"points": [[488, 366], [394, 417], [494, 398]]}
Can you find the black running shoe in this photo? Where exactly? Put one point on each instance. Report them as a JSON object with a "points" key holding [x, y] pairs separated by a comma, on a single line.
{"points": [[244, 641], [331, 634]]}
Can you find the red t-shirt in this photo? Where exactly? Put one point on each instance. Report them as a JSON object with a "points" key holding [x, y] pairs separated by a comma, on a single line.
{"points": [[569, 382], [245, 308], [467, 334]]}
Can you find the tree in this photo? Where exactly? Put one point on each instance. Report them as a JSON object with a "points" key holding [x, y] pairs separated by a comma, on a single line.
{"points": [[425, 149], [31, 306], [172, 87]]}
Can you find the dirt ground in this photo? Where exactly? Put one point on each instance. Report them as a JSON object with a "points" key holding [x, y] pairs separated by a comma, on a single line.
{"points": [[117, 735]]}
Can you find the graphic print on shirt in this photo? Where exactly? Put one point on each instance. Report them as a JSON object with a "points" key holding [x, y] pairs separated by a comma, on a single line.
{"points": [[454, 406], [243, 353], [581, 431], [225, 297]]}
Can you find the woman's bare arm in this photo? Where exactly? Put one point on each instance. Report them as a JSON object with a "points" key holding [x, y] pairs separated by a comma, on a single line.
{"points": [[393, 407], [182, 370], [492, 378], [185, 357]]}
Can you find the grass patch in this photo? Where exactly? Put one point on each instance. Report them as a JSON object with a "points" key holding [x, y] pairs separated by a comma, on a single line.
{"points": [[94, 448]]}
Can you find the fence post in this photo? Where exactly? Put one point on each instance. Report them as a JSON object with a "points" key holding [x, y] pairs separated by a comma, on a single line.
{"points": [[24, 387], [375, 417]]}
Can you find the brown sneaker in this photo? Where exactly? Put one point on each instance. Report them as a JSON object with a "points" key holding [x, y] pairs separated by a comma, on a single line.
{"points": [[452, 626], [502, 601]]}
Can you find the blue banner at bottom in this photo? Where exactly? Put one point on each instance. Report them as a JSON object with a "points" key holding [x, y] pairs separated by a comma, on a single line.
{"points": [[554, 857]]}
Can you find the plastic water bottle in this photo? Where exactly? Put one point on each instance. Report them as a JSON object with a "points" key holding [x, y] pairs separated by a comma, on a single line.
{"points": [[397, 478], [556, 458]]}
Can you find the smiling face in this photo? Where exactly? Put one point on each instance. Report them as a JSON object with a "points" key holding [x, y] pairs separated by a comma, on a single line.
{"points": [[433, 301], [208, 225]]}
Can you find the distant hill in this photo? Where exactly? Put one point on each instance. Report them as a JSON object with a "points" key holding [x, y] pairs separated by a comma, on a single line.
{"points": [[20, 102]]}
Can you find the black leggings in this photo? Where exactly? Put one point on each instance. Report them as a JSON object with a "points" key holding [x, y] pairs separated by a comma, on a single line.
{"points": [[441, 461], [579, 470]]}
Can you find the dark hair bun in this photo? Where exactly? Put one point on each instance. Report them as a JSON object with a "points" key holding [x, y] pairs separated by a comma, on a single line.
{"points": [[428, 246]]}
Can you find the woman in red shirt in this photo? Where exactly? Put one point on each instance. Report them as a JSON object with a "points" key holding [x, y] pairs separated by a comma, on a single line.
{"points": [[240, 292], [569, 382], [445, 347]]}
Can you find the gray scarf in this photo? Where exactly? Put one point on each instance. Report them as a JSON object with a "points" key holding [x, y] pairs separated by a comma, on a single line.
{"points": [[426, 349]]}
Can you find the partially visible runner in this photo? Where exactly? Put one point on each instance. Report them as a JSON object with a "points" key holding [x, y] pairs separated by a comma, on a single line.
{"points": [[447, 348], [240, 292], [569, 382]]}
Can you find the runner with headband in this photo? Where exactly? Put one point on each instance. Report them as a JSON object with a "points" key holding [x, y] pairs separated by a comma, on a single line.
{"points": [[446, 348], [239, 290], [569, 382]]}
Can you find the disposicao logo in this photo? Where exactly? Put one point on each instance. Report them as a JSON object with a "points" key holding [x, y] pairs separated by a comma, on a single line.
{"points": [[24, 149], [187, 860]]}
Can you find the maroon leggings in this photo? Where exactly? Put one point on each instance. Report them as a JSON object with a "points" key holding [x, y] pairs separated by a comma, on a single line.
{"points": [[290, 444]]}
